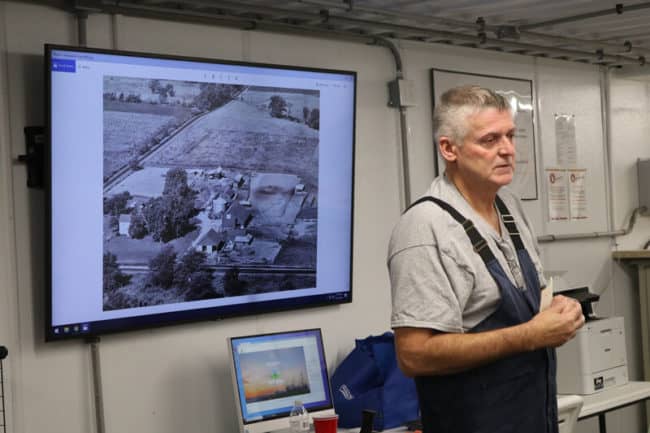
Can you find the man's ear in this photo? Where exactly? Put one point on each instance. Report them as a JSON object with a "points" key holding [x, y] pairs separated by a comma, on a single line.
{"points": [[447, 149]]}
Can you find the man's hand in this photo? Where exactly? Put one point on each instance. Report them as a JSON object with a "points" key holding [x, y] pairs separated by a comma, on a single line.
{"points": [[557, 324]]}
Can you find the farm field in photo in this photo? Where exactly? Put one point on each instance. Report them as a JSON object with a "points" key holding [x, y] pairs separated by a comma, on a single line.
{"points": [[239, 135], [124, 132], [148, 182]]}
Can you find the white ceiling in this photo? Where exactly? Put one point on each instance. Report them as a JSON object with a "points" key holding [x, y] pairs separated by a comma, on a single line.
{"points": [[589, 31]]}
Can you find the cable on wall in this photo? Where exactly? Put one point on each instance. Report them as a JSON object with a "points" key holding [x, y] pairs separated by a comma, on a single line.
{"points": [[594, 235], [98, 393], [82, 28], [3, 417], [396, 103]]}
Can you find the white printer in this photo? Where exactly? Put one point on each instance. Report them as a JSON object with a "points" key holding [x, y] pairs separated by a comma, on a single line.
{"points": [[596, 358]]}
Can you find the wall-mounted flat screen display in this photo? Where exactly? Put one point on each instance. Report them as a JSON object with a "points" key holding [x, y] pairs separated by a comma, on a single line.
{"points": [[184, 189]]}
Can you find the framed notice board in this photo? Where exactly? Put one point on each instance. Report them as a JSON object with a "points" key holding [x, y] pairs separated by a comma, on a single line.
{"points": [[520, 94]]}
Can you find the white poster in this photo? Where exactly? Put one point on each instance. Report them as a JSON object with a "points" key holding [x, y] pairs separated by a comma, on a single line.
{"points": [[578, 194], [558, 196], [565, 140]]}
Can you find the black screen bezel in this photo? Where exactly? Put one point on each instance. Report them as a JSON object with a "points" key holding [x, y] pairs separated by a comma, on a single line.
{"points": [[286, 413]]}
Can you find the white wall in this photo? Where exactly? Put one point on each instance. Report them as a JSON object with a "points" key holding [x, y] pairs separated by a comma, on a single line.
{"points": [[175, 378]]}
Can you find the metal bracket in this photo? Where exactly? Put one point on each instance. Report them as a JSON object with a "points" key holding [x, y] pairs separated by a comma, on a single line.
{"points": [[507, 31], [34, 146], [401, 93], [482, 36]]}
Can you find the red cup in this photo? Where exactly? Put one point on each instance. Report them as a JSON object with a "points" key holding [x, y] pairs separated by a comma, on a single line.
{"points": [[325, 423]]}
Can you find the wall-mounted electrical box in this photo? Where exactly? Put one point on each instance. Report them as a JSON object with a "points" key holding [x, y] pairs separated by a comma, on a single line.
{"points": [[401, 93]]}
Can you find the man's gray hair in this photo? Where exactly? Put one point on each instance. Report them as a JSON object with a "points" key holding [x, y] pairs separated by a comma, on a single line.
{"points": [[450, 116]]}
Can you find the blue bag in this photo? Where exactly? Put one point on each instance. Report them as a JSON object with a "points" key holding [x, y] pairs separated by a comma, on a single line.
{"points": [[369, 378]]}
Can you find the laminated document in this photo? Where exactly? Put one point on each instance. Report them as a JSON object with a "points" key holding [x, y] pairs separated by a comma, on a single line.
{"points": [[547, 295]]}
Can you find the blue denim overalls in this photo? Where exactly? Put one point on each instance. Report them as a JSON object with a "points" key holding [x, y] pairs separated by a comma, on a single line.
{"points": [[516, 394]]}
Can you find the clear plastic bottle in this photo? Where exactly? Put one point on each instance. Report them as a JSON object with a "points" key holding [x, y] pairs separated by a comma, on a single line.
{"points": [[299, 418]]}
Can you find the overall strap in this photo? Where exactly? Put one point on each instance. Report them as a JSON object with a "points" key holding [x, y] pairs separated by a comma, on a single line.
{"points": [[509, 223], [478, 242]]}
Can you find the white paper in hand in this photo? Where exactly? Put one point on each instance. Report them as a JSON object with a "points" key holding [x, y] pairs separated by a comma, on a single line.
{"points": [[547, 295]]}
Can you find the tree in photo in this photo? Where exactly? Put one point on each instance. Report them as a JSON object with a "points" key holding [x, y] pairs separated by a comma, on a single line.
{"points": [[134, 164], [161, 268], [232, 285], [169, 90], [213, 95], [154, 86], [154, 216], [163, 92], [314, 119], [278, 106], [169, 216], [109, 96], [117, 204], [191, 275], [178, 204], [132, 97], [179, 213], [137, 227], [176, 183], [287, 283], [113, 278], [114, 224]]}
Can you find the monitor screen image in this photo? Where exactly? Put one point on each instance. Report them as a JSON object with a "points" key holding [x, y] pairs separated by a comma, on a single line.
{"points": [[185, 189], [270, 372]]}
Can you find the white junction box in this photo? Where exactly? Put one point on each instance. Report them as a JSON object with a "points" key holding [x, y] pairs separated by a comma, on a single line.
{"points": [[595, 359]]}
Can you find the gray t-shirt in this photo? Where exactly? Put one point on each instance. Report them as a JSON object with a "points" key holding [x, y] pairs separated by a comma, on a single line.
{"points": [[437, 280]]}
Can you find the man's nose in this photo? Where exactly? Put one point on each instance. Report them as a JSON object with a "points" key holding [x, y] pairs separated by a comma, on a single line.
{"points": [[506, 146]]}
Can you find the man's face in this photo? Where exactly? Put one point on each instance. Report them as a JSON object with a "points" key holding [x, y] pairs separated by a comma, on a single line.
{"points": [[487, 155]]}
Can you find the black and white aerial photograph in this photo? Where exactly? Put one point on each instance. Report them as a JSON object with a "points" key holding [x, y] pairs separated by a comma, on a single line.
{"points": [[210, 190]]}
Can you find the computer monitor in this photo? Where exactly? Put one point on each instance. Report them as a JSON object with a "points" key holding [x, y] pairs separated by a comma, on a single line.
{"points": [[271, 371]]}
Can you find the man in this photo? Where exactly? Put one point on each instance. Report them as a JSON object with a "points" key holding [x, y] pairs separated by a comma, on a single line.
{"points": [[466, 284]]}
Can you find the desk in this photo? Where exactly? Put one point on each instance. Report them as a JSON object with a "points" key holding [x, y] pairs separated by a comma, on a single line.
{"points": [[593, 405], [640, 259], [611, 399]]}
